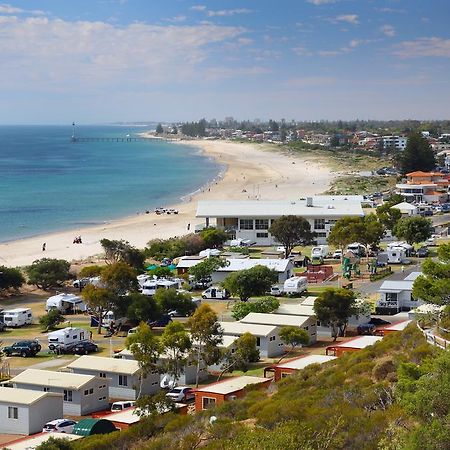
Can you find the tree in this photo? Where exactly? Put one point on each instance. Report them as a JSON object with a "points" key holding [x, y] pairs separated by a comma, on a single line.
{"points": [[171, 300], [143, 308], [370, 232], [122, 251], [250, 282], [204, 269], [10, 278], [413, 229], [55, 444], [159, 129], [245, 353], [100, 300], [293, 336], [291, 231], [418, 155], [176, 343], [161, 272], [146, 349], [206, 335], [388, 216], [334, 306], [91, 271], [120, 278], [47, 272], [263, 305], [213, 237], [51, 320]]}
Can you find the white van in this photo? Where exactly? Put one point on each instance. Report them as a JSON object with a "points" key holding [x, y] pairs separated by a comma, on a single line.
{"points": [[120, 406], [17, 317], [295, 285], [64, 340], [216, 293]]}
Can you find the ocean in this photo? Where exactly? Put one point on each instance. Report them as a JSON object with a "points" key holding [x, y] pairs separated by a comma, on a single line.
{"points": [[48, 183]]}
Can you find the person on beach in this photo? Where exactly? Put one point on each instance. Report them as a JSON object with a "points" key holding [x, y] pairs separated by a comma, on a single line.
{"points": [[43, 246], [188, 226]]}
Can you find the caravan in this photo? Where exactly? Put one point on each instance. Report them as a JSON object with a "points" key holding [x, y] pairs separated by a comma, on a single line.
{"points": [[357, 249], [398, 252], [17, 317], [150, 286], [66, 339], [295, 285], [66, 303]]}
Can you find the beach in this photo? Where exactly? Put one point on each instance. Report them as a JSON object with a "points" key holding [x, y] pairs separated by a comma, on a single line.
{"points": [[251, 171]]}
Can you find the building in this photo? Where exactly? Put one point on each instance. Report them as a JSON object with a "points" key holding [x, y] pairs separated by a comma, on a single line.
{"points": [[283, 267], [427, 187], [406, 209], [307, 323], [186, 262], [352, 345], [296, 309], [33, 442], [394, 142], [251, 220], [124, 375], [25, 412], [287, 368], [268, 341], [82, 394], [398, 326], [216, 393], [396, 295]]}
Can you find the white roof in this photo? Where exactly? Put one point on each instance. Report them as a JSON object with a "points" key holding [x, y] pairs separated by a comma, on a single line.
{"points": [[326, 207], [15, 310], [298, 309], [396, 286], [238, 328], [128, 416], [70, 298], [413, 276], [186, 263], [64, 331], [102, 364], [56, 379], [309, 301], [304, 361], [405, 206], [22, 396], [232, 385], [399, 326], [360, 342], [30, 443], [279, 320], [279, 265], [227, 341]]}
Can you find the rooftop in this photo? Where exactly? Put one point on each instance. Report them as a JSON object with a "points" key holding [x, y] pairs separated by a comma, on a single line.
{"points": [[102, 364], [304, 361], [238, 328], [22, 396], [396, 285], [32, 442], [279, 320], [279, 265], [399, 326], [298, 309], [359, 342], [48, 378], [232, 385], [309, 301]]}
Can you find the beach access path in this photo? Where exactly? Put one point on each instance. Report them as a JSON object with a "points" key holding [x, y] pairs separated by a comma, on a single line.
{"points": [[251, 171]]}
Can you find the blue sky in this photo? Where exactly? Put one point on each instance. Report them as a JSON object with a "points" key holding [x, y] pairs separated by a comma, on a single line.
{"points": [[125, 60]]}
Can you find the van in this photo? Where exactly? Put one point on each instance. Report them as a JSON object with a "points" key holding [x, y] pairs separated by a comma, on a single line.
{"points": [[17, 317], [120, 406], [320, 251], [215, 293]]}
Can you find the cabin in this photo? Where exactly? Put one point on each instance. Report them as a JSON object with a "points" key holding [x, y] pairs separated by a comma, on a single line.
{"points": [[26, 412], [82, 394], [227, 390], [352, 345], [398, 326], [123, 375], [293, 365], [32, 442], [406, 209]]}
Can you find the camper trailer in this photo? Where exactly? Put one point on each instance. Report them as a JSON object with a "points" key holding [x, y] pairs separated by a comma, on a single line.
{"points": [[64, 340], [295, 285], [150, 286], [320, 251], [357, 249], [65, 303], [398, 252], [17, 317]]}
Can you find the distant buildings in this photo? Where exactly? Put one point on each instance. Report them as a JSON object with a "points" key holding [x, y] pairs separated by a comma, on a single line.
{"points": [[428, 187]]}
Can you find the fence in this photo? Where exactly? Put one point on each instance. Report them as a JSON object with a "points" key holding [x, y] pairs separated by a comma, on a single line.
{"points": [[434, 340]]}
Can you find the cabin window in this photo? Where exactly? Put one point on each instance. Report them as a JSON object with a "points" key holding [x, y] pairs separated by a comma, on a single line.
{"points": [[101, 398], [68, 395], [208, 402], [102, 375], [258, 341], [284, 374], [262, 235], [13, 412], [46, 389], [261, 224], [391, 296], [246, 224], [319, 224], [320, 234], [123, 380]]}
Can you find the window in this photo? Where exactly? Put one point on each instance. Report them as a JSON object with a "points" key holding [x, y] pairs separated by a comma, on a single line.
{"points": [[67, 395], [91, 391], [262, 235], [102, 386], [319, 224], [123, 380], [284, 374], [101, 398], [46, 389], [102, 375], [391, 296], [246, 224], [86, 392], [208, 402], [261, 224], [13, 412], [258, 341], [272, 338], [320, 234]]}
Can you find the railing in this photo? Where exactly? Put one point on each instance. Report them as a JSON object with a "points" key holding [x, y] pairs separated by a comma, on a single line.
{"points": [[434, 340]]}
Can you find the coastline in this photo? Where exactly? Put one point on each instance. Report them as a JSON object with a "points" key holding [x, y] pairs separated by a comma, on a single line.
{"points": [[249, 171]]}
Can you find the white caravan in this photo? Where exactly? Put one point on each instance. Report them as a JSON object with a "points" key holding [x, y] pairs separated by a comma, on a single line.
{"points": [[66, 338], [295, 285], [17, 317], [65, 303], [320, 251], [396, 255], [150, 286], [357, 249]]}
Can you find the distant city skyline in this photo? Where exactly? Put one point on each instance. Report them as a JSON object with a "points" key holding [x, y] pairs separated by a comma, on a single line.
{"points": [[103, 61]]}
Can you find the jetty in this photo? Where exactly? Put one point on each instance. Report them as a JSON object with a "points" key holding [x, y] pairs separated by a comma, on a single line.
{"points": [[126, 138]]}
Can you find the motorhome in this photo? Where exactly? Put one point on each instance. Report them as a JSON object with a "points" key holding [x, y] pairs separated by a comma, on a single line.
{"points": [[320, 251], [17, 317], [295, 285], [215, 292], [65, 303], [150, 286], [398, 252], [357, 249], [64, 340]]}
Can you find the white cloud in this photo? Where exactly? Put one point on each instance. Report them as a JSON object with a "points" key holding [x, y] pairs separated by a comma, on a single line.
{"points": [[321, 2], [228, 12], [388, 30], [198, 8], [423, 47], [347, 18], [6, 8], [176, 19]]}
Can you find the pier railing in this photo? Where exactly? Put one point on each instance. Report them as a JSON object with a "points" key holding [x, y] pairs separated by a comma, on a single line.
{"points": [[109, 139]]}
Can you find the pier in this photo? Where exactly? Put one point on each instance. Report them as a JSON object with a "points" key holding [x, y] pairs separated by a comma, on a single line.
{"points": [[109, 139]]}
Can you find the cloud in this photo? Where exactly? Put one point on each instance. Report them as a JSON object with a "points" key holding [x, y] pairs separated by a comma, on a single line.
{"points": [[176, 19], [321, 2], [218, 73], [198, 8], [6, 8], [228, 12], [388, 30], [423, 47], [347, 18]]}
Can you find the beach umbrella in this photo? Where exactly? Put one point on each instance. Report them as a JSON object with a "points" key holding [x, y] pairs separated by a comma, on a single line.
{"points": [[151, 267]]}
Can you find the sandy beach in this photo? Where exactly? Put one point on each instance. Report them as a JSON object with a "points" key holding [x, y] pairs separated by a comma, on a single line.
{"points": [[252, 172]]}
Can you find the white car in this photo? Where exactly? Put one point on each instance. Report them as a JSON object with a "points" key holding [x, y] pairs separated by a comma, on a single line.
{"points": [[59, 426], [181, 394], [120, 406], [337, 254]]}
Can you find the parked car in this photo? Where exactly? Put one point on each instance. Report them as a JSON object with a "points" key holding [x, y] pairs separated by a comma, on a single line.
{"points": [[423, 252], [83, 348], [276, 291], [181, 394], [120, 406], [59, 426], [23, 348], [337, 254], [366, 328], [81, 283]]}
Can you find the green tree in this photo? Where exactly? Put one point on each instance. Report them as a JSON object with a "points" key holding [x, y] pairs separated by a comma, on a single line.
{"points": [[159, 129], [170, 300], [293, 336], [388, 215], [122, 251], [370, 232], [161, 272], [46, 273], [146, 350], [413, 229], [91, 271], [176, 343], [250, 282], [143, 308], [204, 269], [291, 231], [418, 155], [262, 305], [10, 278], [53, 443], [213, 237], [100, 300], [206, 335], [120, 278], [334, 306], [51, 320]]}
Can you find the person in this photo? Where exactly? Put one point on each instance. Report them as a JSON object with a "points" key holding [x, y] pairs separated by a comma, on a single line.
{"points": [[403, 269], [188, 226], [43, 246]]}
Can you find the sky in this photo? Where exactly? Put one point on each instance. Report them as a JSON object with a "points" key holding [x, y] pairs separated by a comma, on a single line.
{"points": [[100, 61]]}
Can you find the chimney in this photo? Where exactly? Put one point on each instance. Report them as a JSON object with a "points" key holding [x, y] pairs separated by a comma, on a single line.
{"points": [[309, 201]]}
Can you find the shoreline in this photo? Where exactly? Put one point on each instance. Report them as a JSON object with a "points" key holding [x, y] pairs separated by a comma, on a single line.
{"points": [[249, 171]]}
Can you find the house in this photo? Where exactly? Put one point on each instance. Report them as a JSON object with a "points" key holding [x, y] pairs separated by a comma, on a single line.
{"points": [[398, 326], [82, 394], [227, 345], [230, 389], [251, 219], [307, 323], [394, 142], [26, 412], [406, 209], [287, 368], [32, 442], [296, 309], [352, 345], [427, 187], [124, 375], [268, 341], [186, 262], [396, 295]]}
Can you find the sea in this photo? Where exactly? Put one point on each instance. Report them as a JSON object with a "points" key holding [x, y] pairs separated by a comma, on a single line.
{"points": [[49, 183]]}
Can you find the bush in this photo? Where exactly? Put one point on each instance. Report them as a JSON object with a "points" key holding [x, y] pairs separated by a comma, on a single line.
{"points": [[46, 273], [10, 278], [51, 320]]}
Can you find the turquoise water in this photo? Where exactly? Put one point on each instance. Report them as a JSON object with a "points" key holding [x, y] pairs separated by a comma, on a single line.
{"points": [[48, 183]]}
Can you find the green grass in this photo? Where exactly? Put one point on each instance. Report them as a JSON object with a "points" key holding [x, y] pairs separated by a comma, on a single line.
{"points": [[352, 184]]}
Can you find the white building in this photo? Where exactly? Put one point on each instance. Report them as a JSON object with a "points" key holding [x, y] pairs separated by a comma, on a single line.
{"points": [[123, 375], [423, 192], [406, 209], [251, 220], [394, 142], [82, 394], [25, 412]]}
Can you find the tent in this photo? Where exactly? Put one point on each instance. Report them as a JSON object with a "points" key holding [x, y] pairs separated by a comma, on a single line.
{"points": [[151, 267], [88, 427]]}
